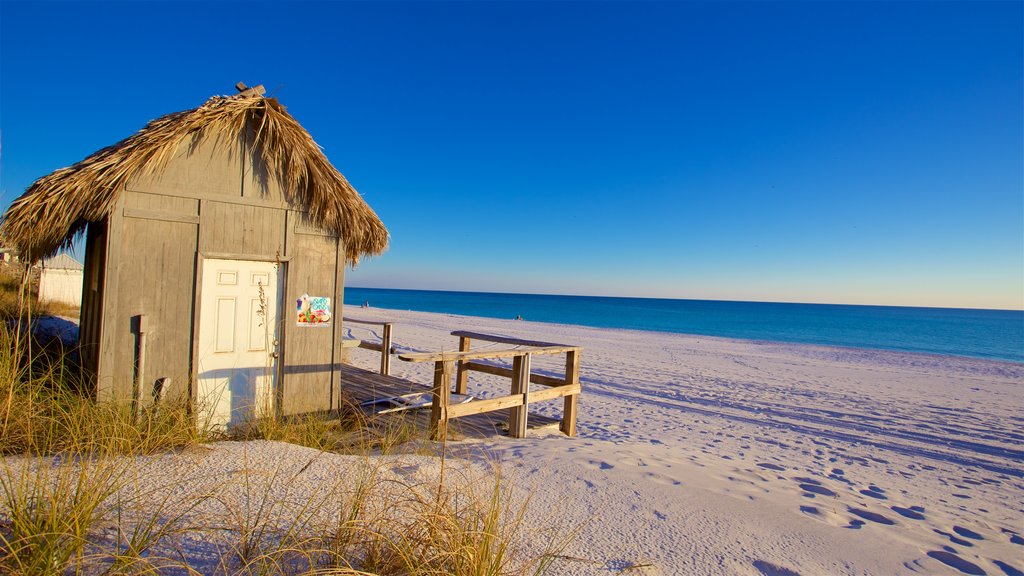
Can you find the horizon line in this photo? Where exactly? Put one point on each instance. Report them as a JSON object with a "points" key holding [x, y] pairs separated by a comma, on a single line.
{"points": [[689, 299]]}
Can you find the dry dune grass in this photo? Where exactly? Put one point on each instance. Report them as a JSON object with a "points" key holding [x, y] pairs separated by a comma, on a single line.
{"points": [[73, 498]]}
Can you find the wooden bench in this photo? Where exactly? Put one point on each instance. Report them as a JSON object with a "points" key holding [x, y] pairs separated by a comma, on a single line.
{"points": [[519, 400]]}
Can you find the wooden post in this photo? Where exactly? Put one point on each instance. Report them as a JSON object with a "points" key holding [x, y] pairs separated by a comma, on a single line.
{"points": [[442, 394], [520, 385], [462, 377], [572, 376], [385, 351]]}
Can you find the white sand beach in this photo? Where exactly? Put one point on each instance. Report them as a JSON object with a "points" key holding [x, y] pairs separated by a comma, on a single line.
{"points": [[700, 455], [695, 455]]}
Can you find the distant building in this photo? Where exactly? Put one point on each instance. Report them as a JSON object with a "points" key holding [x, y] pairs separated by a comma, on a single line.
{"points": [[60, 280], [8, 256]]}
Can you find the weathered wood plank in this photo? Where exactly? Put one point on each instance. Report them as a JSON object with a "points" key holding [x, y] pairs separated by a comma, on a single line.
{"points": [[161, 216], [502, 339], [481, 406], [441, 400], [385, 351], [92, 296], [552, 393], [507, 372], [572, 378], [462, 378], [372, 322], [509, 353], [517, 416]]}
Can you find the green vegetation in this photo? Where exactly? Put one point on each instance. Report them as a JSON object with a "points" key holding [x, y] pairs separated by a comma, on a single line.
{"points": [[73, 500]]}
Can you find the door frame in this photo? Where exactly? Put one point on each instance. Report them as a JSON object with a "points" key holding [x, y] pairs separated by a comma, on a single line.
{"points": [[197, 298]]}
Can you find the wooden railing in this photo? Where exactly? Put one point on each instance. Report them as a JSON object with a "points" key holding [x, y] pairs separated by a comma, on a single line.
{"points": [[519, 400], [384, 346]]}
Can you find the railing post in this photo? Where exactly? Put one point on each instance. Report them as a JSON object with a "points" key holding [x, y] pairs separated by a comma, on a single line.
{"points": [[441, 396], [572, 376], [385, 350], [462, 376], [517, 416]]}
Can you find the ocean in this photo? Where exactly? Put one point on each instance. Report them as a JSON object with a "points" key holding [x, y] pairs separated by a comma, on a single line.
{"points": [[991, 334]]}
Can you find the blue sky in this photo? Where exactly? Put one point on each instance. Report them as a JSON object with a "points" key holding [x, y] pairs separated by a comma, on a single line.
{"points": [[838, 152]]}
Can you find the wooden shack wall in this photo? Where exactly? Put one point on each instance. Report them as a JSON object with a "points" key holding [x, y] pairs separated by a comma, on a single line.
{"points": [[314, 270], [211, 201], [90, 319]]}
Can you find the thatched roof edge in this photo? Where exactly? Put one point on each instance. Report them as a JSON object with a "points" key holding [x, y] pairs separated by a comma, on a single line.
{"points": [[56, 208]]}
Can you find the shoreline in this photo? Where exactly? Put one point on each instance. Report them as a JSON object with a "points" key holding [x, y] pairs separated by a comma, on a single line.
{"points": [[756, 341]]}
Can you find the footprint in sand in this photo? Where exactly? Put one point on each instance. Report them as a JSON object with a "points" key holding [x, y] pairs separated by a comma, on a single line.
{"points": [[662, 479], [769, 569], [769, 466], [1006, 568], [954, 561], [872, 516], [910, 513], [815, 489], [827, 516], [1016, 539], [967, 533], [875, 492], [953, 538]]}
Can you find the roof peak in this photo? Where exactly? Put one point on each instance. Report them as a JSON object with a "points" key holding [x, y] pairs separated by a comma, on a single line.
{"points": [[244, 90]]}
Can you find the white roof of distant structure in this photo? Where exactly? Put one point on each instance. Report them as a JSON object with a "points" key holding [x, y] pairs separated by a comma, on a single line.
{"points": [[62, 262]]}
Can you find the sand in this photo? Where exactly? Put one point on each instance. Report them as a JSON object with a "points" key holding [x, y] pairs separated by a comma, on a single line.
{"points": [[700, 455]]}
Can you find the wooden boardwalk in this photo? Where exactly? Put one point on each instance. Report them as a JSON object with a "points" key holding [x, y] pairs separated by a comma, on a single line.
{"points": [[364, 385]]}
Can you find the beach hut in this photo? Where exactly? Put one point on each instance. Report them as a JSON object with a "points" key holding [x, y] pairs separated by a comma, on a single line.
{"points": [[215, 246], [60, 280]]}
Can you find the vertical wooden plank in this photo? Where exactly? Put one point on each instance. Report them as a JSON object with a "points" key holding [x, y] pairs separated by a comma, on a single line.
{"points": [[334, 398], [572, 376], [92, 296], [462, 378], [517, 416], [441, 397], [385, 350], [111, 328]]}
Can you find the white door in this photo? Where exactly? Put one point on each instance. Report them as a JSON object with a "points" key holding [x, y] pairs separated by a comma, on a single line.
{"points": [[237, 342]]}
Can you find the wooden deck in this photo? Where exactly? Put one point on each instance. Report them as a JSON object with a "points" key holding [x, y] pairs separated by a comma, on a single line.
{"points": [[364, 385]]}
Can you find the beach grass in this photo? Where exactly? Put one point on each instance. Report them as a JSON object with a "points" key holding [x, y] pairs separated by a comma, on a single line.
{"points": [[71, 499]]}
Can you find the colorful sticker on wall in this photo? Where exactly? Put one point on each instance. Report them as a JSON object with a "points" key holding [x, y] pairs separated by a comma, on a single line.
{"points": [[313, 311]]}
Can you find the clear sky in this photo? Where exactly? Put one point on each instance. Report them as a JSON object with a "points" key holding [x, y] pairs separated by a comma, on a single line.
{"points": [[810, 152]]}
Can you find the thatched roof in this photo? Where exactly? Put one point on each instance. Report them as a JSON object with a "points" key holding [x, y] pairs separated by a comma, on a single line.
{"points": [[56, 208]]}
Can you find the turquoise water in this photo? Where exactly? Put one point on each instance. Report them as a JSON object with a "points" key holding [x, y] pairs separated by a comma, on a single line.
{"points": [[993, 334]]}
